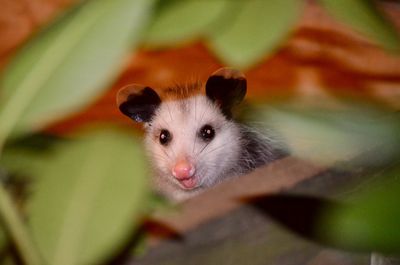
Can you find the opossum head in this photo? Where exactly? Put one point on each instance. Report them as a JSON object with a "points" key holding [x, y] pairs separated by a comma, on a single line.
{"points": [[191, 137]]}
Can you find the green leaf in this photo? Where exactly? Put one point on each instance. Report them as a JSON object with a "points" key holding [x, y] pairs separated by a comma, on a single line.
{"points": [[370, 223], [365, 17], [89, 198], [27, 156], [179, 20], [69, 64], [25, 163], [255, 32], [4, 240], [21, 163], [327, 136]]}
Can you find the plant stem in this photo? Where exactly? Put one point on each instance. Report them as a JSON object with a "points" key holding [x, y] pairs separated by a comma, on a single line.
{"points": [[16, 228]]}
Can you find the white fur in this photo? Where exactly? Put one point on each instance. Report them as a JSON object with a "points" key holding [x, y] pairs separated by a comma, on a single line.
{"points": [[213, 161]]}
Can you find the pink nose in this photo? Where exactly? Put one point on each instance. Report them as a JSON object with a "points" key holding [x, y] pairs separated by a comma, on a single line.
{"points": [[183, 170]]}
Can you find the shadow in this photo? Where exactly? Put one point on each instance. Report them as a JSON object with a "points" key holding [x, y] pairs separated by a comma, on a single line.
{"points": [[300, 214]]}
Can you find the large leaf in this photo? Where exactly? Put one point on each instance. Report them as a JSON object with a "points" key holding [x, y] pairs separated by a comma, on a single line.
{"points": [[88, 198], [365, 17], [69, 64], [255, 31], [182, 20]]}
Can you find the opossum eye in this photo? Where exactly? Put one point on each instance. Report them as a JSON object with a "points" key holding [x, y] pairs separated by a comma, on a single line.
{"points": [[207, 132], [165, 137]]}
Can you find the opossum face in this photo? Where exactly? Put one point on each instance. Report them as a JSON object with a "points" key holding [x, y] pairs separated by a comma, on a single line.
{"points": [[190, 137], [192, 143]]}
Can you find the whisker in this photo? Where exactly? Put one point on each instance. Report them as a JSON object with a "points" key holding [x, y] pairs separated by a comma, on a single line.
{"points": [[214, 149], [203, 149], [202, 116], [156, 155], [195, 115], [169, 111], [165, 152]]}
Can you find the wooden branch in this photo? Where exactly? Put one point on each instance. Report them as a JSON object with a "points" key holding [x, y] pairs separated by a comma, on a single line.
{"points": [[225, 197]]}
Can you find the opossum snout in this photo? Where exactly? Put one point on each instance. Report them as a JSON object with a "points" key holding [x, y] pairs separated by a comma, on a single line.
{"points": [[183, 169]]}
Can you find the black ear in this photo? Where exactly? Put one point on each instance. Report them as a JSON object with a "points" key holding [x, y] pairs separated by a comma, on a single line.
{"points": [[138, 102], [226, 87]]}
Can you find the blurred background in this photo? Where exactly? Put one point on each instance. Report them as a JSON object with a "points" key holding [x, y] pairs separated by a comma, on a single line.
{"points": [[316, 55]]}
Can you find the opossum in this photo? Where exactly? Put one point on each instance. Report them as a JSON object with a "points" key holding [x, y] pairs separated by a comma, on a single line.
{"points": [[191, 136]]}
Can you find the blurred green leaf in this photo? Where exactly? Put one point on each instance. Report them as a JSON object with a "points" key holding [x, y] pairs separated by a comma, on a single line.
{"points": [[23, 162], [365, 17], [255, 32], [7, 260], [179, 20], [70, 63], [370, 223], [4, 241], [35, 142], [26, 157], [327, 136], [89, 198]]}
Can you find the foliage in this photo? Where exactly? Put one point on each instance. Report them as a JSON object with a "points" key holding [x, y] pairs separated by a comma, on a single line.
{"points": [[242, 33], [369, 223], [78, 214], [366, 220], [326, 136], [183, 20], [44, 83], [87, 192], [366, 18], [60, 71], [255, 32]]}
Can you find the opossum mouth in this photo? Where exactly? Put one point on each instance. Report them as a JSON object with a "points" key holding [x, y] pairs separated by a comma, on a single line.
{"points": [[188, 183]]}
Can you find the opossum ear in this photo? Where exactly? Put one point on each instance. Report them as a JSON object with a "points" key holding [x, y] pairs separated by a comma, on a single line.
{"points": [[227, 87], [138, 102]]}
